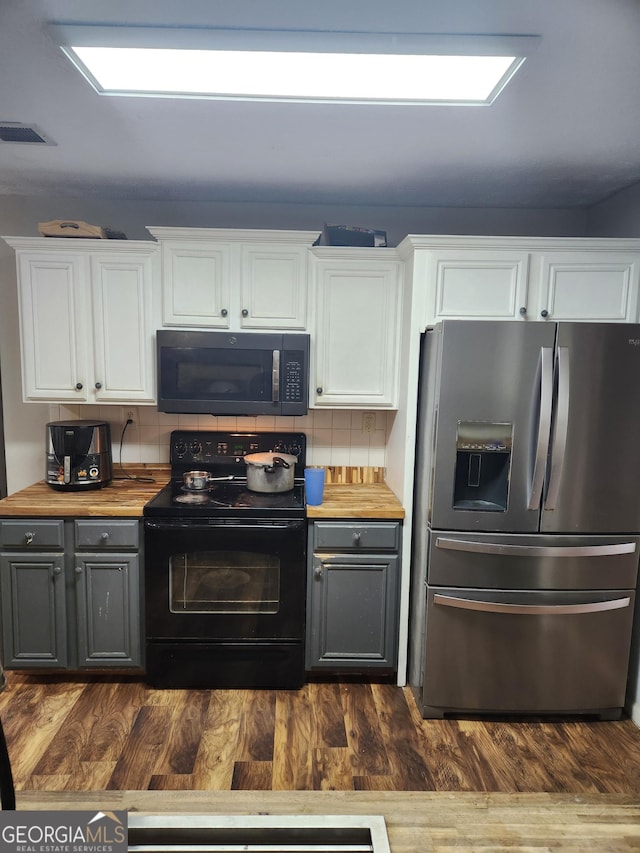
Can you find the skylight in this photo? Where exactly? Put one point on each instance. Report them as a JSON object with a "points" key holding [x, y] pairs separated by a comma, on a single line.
{"points": [[298, 66]]}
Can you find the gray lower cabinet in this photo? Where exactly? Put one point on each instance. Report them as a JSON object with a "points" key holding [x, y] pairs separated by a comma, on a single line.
{"points": [[70, 593], [352, 597]]}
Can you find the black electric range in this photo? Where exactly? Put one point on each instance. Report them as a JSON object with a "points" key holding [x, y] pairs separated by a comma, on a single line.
{"points": [[222, 454]]}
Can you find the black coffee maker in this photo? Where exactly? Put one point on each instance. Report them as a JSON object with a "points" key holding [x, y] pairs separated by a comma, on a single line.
{"points": [[78, 455]]}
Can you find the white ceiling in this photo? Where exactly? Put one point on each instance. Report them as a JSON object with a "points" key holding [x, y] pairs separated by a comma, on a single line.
{"points": [[565, 132]]}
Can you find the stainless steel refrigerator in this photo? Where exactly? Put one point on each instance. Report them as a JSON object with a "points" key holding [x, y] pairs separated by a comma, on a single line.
{"points": [[526, 519]]}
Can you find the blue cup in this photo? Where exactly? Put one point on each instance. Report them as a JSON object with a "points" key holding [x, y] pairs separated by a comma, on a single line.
{"points": [[314, 484]]}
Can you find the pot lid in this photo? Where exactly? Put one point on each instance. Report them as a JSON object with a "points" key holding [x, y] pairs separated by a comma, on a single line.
{"points": [[266, 459]]}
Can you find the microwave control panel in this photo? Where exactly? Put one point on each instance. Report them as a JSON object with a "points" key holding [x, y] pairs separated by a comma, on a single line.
{"points": [[293, 384]]}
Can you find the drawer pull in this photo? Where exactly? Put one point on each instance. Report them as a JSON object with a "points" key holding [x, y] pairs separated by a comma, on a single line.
{"points": [[357, 536], [29, 537], [104, 537]]}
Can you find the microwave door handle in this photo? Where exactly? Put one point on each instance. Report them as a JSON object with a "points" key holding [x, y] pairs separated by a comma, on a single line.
{"points": [[544, 426], [275, 376], [560, 429]]}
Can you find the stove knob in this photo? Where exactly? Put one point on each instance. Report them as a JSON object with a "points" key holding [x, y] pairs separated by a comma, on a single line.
{"points": [[180, 448], [195, 447]]}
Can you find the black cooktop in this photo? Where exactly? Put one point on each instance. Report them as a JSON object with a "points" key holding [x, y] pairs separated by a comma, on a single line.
{"points": [[222, 454]]}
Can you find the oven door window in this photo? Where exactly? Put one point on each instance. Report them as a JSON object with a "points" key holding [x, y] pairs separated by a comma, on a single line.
{"points": [[224, 582]]}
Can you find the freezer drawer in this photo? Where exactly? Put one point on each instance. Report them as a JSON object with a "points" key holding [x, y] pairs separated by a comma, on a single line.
{"points": [[511, 651], [525, 561]]}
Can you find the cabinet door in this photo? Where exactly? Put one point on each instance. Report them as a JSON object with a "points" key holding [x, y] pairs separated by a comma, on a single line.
{"points": [[599, 286], [123, 334], [356, 342], [353, 619], [53, 306], [33, 611], [273, 287], [107, 601], [195, 284], [479, 285]]}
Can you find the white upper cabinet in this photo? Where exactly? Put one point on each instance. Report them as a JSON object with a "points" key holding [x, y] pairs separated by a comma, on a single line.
{"points": [[358, 298], [222, 278], [525, 278], [86, 327], [600, 286], [489, 285]]}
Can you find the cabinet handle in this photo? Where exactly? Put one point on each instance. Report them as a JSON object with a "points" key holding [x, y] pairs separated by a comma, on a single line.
{"points": [[223, 312], [57, 570], [357, 536], [523, 311], [104, 536], [29, 537], [319, 389], [245, 313], [98, 385], [544, 313], [78, 386], [78, 570], [317, 572]]}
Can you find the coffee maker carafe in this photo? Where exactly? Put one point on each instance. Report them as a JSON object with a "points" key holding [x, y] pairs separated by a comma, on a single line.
{"points": [[78, 455]]}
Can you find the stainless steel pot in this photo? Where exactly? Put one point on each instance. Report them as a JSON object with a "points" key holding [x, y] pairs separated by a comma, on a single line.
{"points": [[200, 481], [270, 472]]}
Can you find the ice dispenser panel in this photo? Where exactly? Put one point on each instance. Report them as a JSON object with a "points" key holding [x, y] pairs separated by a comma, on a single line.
{"points": [[483, 458]]}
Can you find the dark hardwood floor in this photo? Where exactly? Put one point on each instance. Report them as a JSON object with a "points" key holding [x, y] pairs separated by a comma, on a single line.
{"points": [[106, 734]]}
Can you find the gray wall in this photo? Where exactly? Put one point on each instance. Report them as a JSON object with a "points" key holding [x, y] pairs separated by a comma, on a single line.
{"points": [[617, 216]]}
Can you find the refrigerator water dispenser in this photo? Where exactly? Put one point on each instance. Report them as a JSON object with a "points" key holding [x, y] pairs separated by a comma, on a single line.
{"points": [[483, 458]]}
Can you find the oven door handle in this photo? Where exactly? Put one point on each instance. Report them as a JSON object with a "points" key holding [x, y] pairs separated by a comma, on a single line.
{"points": [[224, 523]]}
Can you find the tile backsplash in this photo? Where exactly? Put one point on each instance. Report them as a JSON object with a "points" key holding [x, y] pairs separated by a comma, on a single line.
{"points": [[333, 437]]}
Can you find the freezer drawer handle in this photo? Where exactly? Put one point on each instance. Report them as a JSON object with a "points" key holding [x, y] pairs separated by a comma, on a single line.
{"points": [[536, 550], [544, 426], [531, 609]]}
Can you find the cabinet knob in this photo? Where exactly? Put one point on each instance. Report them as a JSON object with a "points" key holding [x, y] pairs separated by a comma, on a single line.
{"points": [[523, 311], [319, 389], [78, 386], [57, 570], [317, 572], [78, 570], [544, 313], [223, 312], [245, 313], [104, 536], [98, 385], [357, 536], [29, 537]]}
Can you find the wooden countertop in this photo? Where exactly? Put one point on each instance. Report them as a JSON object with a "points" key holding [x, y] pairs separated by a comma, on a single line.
{"points": [[126, 499], [357, 500], [121, 498]]}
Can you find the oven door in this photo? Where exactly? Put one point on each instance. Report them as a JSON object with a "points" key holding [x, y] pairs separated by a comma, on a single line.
{"points": [[225, 579]]}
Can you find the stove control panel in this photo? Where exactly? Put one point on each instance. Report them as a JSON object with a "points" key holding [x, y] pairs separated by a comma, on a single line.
{"points": [[225, 450]]}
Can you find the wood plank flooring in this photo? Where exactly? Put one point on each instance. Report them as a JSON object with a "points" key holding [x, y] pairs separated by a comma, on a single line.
{"points": [[105, 734]]}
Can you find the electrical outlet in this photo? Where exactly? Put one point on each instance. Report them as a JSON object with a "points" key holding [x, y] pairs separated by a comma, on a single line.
{"points": [[129, 416], [368, 422]]}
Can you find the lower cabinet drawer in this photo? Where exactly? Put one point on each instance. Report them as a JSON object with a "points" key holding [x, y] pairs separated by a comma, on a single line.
{"points": [[346, 535], [106, 534], [32, 533]]}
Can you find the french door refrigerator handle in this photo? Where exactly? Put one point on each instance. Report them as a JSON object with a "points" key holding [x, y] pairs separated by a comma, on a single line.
{"points": [[560, 428], [531, 609], [536, 550], [275, 376], [544, 427]]}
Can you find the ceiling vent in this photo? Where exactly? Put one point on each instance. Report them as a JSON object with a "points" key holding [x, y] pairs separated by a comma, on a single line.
{"points": [[13, 131]]}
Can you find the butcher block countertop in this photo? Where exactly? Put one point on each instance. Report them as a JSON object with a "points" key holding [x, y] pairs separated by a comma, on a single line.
{"points": [[120, 499], [357, 500], [124, 498]]}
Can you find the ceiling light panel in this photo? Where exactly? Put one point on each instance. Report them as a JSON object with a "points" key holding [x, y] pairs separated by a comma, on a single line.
{"points": [[334, 67]]}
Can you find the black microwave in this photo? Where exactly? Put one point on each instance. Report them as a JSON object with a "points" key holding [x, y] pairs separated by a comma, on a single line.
{"points": [[232, 373]]}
